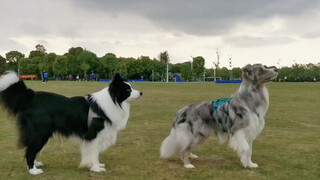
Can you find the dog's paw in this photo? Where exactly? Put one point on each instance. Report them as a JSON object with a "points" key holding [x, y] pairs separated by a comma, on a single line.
{"points": [[189, 166], [37, 163], [35, 171], [193, 156], [252, 165], [102, 165], [97, 168]]}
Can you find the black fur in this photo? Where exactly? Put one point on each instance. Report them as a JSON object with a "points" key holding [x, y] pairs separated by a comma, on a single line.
{"points": [[97, 124], [96, 108], [119, 91], [40, 114]]}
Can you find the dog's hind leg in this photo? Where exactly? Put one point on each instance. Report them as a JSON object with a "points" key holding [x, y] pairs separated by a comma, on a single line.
{"points": [[38, 163], [31, 152], [185, 154]]}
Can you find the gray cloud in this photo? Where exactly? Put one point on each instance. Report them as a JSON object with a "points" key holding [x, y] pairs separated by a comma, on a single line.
{"points": [[312, 35], [250, 41], [183, 27], [205, 17], [201, 18], [10, 45], [33, 29]]}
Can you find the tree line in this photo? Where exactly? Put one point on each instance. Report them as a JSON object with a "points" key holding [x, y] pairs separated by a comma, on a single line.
{"points": [[82, 63]]}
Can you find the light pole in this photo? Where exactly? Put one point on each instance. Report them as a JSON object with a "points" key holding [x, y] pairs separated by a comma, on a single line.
{"points": [[167, 71], [216, 65], [191, 66], [230, 65]]}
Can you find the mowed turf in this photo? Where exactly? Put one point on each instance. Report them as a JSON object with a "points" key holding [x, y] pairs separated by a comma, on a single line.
{"points": [[288, 148]]}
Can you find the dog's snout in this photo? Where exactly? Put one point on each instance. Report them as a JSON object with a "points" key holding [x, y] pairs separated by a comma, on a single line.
{"points": [[141, 93]]}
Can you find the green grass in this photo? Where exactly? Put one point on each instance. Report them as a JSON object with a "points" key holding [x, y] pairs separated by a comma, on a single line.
{"points": [[288, 148]]}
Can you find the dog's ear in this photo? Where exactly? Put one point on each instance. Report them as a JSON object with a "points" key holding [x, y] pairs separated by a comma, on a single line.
{"points": [[247, 70], [117, 77], [117, 80]]}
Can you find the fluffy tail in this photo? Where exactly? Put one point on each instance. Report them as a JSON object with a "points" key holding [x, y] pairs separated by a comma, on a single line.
{"points": [[13, 92], [169, 145]]}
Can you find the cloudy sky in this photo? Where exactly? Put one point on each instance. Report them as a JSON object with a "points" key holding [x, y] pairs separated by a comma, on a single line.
{"points": [[272, 32]]}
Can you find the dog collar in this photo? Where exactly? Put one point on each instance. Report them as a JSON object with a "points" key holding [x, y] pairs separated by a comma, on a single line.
{"points": [[216, 104]]}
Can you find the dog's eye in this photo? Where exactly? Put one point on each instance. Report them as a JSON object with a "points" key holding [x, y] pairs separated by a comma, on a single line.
{"points": [[128, 90]]}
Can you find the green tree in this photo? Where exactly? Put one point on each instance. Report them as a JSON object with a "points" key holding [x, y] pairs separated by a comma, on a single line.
{"points": [[75, 51], [237, 73], [147, 66], [40, 48], [175, 68], [224, 73], [135, 69], [74, 63], [13, 57], [122, 68], [164, 58], [198, 66], [109, 63], [3, 64], [28, 66], [186, 71], [89, 62], [49, 60], [36, 53], [39, 55], [60, 66]]}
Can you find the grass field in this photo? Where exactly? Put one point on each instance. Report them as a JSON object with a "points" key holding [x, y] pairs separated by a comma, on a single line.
{"points": [[288, 148]]}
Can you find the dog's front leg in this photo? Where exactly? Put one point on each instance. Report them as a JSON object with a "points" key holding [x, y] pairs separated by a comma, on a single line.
{"points": [[240, 143], [96, 167], [250, 164], [90, 156]]}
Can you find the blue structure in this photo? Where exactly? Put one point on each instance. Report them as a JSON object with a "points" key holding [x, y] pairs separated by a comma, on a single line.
{"points": [[104, 80], [228, 81], [130, 80]]}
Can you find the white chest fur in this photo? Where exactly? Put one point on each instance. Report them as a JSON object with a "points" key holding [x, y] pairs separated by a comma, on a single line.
{"points": [[118, 115], [257, 122]]}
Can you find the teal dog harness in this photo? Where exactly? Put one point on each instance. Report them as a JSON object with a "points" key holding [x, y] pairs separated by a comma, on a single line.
{"points": [[216, 104]]}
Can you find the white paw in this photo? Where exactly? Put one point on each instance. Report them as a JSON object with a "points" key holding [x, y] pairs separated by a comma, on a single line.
{"points": [[37, 163], [35, 171], [102, 165], [252, 165], [189, 166], [96, 168], [193, 156]]}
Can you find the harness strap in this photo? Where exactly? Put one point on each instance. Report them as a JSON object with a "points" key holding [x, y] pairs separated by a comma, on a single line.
{"points": [[91, 114], [216, 105]]}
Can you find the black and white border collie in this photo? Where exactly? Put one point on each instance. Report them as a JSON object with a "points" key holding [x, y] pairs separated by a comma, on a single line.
{"points": [[95, 118]]}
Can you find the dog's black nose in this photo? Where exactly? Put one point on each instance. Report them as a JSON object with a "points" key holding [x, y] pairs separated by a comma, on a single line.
{"points": [[141, 93]]}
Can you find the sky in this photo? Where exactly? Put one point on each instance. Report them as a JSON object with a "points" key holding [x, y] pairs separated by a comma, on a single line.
{"points": [[271, 32]]}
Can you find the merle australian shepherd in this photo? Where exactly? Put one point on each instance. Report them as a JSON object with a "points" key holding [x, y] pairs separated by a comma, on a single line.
{"points": [[239, 119], [95, 118]]}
